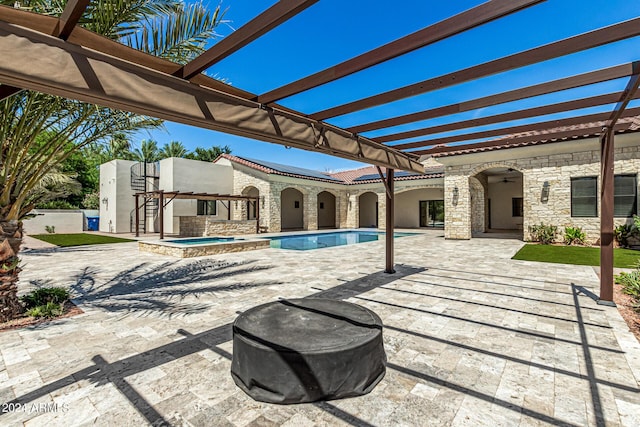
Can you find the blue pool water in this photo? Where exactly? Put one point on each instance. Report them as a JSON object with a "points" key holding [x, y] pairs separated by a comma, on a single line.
{"points": [[305, 242], [202, 240]]}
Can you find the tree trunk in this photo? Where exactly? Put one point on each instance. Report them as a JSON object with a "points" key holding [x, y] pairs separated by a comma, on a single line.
{"points": [[10, 240]]}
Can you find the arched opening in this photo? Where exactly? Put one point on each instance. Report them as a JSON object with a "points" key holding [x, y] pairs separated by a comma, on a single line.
{"points": [[368, 210], [291, 209], [497, 204], [326, 210], [249, 209], [420, 207]]}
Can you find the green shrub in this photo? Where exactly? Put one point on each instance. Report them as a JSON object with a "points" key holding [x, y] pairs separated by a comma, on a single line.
{"points": [[544, 234], [574, 235], [630, 283], [50, 229], [48, 310], [56, 204], [43, 296], [622, 234]]}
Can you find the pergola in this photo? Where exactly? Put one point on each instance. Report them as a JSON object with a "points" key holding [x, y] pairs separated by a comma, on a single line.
{"points": [[94, 69], [166, 197]]}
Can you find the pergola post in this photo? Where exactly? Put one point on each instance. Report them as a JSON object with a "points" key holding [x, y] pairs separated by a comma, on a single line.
{"points": [[607, 189], [161, 213], [390, 218], [606, 217], [137, 216]]}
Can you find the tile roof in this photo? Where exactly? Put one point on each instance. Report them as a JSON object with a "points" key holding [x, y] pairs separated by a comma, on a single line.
{"points": [[368, 174], [511, 141], [284, 170]]}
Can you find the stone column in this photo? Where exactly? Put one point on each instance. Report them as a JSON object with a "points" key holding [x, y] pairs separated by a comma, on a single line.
{"points": [[310, 214], [382, 209], [457, 206]]}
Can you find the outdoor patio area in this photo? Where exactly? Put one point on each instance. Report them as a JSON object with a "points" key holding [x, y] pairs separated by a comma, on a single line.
{"points": [[472, 338]]}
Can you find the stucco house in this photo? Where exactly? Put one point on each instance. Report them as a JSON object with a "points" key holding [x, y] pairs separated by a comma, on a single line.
{"points": [[465, 189]]}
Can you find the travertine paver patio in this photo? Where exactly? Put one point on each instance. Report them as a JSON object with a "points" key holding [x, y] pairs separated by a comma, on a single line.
{"points": [[472, 337]]}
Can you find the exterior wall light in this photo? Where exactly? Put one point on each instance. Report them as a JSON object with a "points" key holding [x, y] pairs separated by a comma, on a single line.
{"points": [[544, 195], [456, 193]]}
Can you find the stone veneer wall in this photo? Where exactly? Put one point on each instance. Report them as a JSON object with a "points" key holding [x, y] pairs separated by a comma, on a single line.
{"points": [[557, 169], [201, 226], [271, 187]]}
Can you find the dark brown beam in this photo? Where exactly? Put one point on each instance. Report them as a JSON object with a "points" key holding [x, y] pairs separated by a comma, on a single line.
{"points": [[161, 213], [571, 121], [70, 16], [521, 140], [607, 189], [567, 46], [464, 21], [99, 78], [592, 101], [137, 216], [82, 37], [390, 219], [263, 23], [6, 91], [627, 95], [571, 82]]}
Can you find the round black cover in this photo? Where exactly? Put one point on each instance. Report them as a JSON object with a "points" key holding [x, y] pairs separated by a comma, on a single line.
{"points": [[303, 350]]}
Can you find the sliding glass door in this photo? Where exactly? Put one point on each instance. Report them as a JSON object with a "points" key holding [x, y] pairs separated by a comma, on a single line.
{"points": [[431, 213]]}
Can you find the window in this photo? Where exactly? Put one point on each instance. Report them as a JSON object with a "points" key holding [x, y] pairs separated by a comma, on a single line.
{"points": [[296, 204], [206, 207], [584, 197], [625, 196], [321, 205], [517, 207]]}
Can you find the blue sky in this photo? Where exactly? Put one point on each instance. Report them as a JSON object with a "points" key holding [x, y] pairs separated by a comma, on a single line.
{"points": [[332, 31]]}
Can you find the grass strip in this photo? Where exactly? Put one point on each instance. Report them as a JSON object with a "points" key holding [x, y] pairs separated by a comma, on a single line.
{"points": [[576, 255], [78, 239]]}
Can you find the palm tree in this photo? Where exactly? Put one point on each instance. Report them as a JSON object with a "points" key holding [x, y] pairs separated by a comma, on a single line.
{"points": [[166, 28], [148, 151], [208, 154], [173, 149]]}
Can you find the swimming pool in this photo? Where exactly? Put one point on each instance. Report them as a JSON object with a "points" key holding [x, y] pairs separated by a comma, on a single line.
{"points": [[305, 242]]}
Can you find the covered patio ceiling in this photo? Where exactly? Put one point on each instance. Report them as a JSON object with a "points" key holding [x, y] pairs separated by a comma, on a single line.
{"points": [[55, 55]]}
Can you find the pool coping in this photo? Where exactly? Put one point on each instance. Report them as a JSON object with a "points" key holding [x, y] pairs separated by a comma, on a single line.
{"points": [[209, 248]]}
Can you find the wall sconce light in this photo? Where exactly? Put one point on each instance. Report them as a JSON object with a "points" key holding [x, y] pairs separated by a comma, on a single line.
{"points": [[544, 195], [235, 204], [262, 201], [456, 193]]}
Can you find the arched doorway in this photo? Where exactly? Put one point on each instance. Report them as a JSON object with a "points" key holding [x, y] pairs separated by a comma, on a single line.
{"points": [[368, 210], [497, 204], [326, 210], [249, 209], [291, 209]]}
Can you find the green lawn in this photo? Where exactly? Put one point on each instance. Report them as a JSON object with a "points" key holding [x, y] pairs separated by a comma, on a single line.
{"points": [[578, 255], [78, 239]]}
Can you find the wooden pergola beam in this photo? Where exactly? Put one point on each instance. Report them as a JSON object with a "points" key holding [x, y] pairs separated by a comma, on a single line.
{"points": [[607, 188], [567, 46], [560, 107], [461, 22], [539, 126], [260, 25], [70, 16], [592, 77], [116, 82], [6, 91]]}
